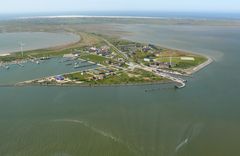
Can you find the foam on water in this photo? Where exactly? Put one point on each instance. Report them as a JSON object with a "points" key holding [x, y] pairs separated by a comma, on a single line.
{"points": [[98, 131]]}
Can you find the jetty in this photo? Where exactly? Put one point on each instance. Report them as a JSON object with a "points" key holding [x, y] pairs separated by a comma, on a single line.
{"points": [[76, 66], [175, 79], [19, 64], [158, 72]]}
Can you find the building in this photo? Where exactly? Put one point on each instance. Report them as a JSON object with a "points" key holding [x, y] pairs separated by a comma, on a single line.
{"points": [[148, 60], [93, 49], [69, 56], [59, 78], [152, 46], [120, 59], [146, 48], [187, 58]]}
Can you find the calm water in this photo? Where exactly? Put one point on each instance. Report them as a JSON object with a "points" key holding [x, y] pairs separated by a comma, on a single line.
{"points": [[201, 119], [31, 70], [10, 42]]}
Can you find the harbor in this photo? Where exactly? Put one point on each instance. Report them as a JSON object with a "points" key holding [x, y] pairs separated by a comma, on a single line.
{"points": [[167, 75], [38, 68], [126, 120]]}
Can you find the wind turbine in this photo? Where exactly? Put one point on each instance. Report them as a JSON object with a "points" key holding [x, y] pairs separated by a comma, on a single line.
{"points": [[170, 61], [21, 47]]}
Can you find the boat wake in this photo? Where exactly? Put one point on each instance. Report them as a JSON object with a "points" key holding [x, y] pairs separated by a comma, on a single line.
{"points": [[192, 131], [107, 135], [184, 142], [98, 131]]}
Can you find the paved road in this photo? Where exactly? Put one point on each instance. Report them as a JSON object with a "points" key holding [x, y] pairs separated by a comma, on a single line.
{"points": [[116, 49], [162, 74], [165, 75]]}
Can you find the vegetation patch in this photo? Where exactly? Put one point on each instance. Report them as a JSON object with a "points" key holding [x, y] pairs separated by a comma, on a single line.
{"points": [[119, 77]]}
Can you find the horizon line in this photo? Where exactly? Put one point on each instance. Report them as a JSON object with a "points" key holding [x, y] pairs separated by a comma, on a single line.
{"points": [[122, 11]]}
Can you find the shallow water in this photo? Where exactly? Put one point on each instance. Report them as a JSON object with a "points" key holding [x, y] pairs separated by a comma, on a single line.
{"points": [[31, 70], [127, 120], [10, 42]]}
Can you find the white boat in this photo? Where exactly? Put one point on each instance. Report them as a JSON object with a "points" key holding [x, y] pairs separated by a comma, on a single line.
{"points": [[76, 65]]}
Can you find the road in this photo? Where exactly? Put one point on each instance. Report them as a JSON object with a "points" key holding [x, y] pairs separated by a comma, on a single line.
{"points": [[116, 49], [157, 72], [165, 75]]}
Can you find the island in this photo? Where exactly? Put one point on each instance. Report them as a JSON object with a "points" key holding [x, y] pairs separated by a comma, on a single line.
{"points": [[114, 61]]}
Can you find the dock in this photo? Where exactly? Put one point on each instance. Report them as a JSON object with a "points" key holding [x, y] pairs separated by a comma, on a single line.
{"points": [[83, 66], [158, 72], [19, 64], [178, 80]]}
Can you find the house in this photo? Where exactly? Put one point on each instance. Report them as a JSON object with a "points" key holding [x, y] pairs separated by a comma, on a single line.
{"points": [[105, 48], [146, 48], [157, 54], [103, 51], [152, 46], [93, 49], [59, 78], [68, 55], [124, 48], [129, 47], [170, 65], [120, 59], [148, 60]]}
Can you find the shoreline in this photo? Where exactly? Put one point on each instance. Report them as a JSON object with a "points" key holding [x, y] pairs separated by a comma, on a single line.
{"points": [[73, 84], [196, 69], [199, 67], [189, 71], [31, 83], [63, 45], [86, 16], [88, 85], [22, 84], [161, 17]]}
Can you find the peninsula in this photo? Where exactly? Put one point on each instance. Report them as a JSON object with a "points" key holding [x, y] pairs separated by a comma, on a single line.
{"points": [[111, 61]]}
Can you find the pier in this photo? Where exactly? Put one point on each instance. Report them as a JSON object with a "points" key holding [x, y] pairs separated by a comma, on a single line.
{"points": [[83, 66], [163, 74], [178, 80], [19, 64]]}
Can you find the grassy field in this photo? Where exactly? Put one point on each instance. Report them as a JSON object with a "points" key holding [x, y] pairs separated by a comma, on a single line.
{"points": [[137, 76], [91, 39], [121, 77], [184, 64], [79, 77], [87, 39], [95, 58]]}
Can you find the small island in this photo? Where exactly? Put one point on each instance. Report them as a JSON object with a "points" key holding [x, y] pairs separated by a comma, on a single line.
{"points": [[113, 61]]}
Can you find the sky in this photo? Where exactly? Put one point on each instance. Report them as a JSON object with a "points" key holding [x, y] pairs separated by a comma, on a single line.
{"points": [[25, 6]]}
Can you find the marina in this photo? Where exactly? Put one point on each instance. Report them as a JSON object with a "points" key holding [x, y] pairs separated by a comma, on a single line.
{"points": [[28, 70], [128, 120]]}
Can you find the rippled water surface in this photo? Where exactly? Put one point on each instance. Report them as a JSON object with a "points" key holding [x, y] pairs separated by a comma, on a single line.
{"points": [[201, 119], [10, 42]]}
